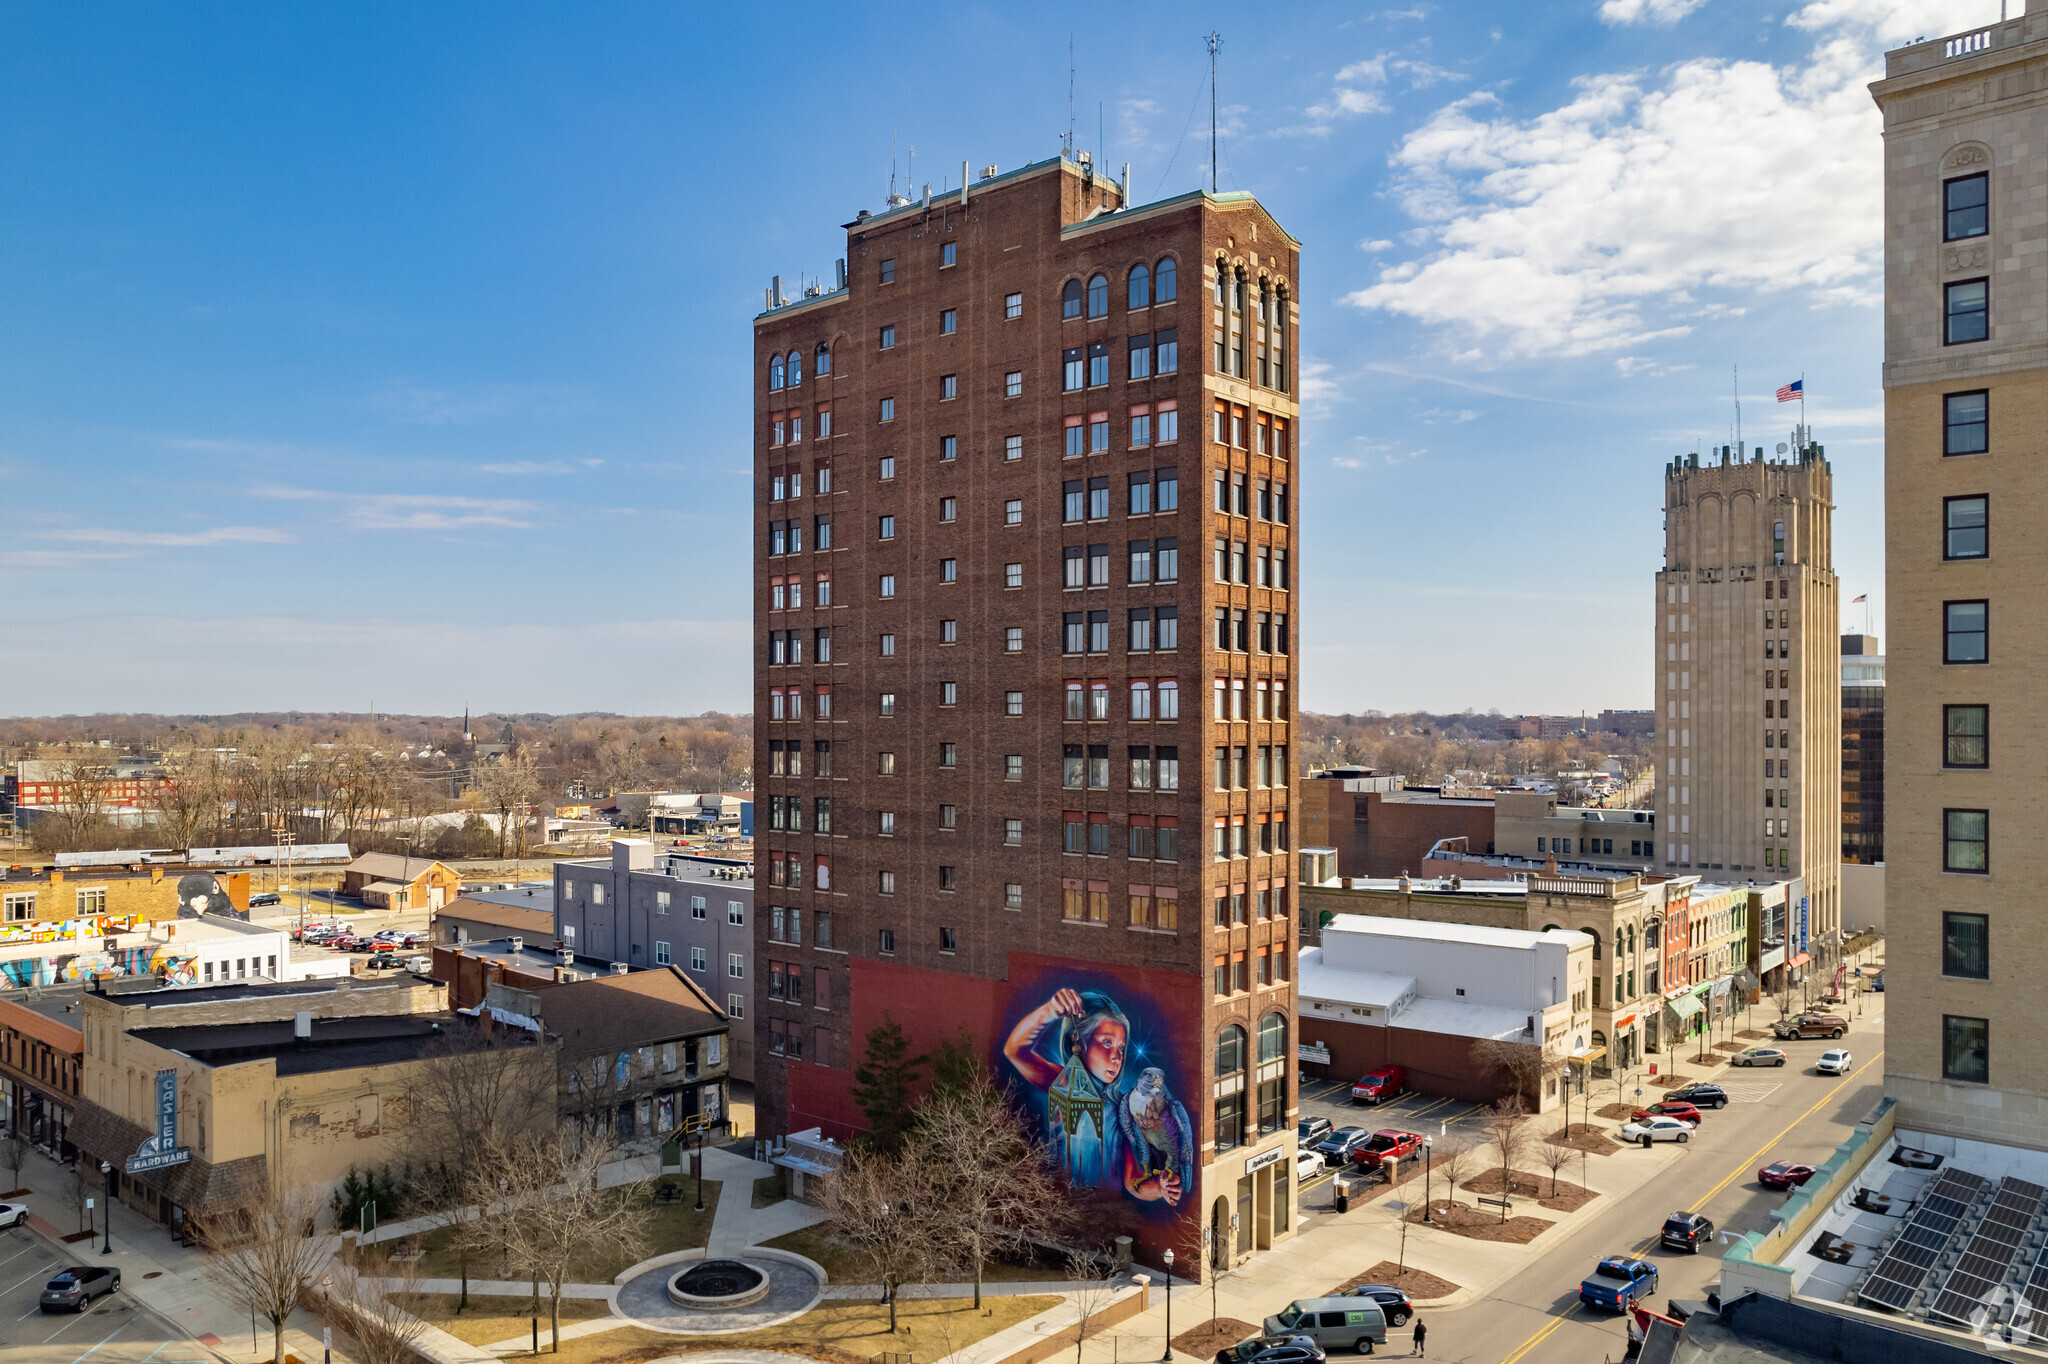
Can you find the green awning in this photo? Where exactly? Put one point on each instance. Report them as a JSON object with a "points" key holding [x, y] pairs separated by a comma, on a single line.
{"points": [[1685, 1006]]}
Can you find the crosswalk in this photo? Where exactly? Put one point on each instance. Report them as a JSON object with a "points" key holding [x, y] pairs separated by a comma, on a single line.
{"points": [[1751, 1091]]}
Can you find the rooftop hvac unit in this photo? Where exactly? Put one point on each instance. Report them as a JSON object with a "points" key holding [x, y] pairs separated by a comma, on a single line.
{"points": [[988, 172], [620, 968]]}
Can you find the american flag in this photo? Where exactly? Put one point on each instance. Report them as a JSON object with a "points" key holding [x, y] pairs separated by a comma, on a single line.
{"points": [[1795, 389], [1862, 598]]}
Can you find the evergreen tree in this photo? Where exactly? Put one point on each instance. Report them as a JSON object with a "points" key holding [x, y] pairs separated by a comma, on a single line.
{"points": [[956, 1066], [883, 1080]]}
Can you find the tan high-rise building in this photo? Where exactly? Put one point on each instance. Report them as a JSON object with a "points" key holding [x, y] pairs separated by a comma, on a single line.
{"points": [[1966, 493], [1748, 680]]}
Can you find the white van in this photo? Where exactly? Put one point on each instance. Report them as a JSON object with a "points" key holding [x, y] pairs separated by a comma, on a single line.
{"points": [[1333, 1323]]}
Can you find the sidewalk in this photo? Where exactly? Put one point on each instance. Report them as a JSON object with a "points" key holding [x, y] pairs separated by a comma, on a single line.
{"points": [[168, 1278]]}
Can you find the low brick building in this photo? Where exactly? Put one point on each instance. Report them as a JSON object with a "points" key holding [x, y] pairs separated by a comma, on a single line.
{"points": [[390, 881], [41, 1056]]}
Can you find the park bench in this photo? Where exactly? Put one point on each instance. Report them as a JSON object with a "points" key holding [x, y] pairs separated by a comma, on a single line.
{"points": [[1503, 1204]]}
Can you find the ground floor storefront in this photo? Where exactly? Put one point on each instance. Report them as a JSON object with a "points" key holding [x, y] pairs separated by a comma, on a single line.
{"points": [[38, 1114]]}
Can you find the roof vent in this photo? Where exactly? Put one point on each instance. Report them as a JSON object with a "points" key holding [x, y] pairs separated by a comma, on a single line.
{"points": [[302, 1025], [988, 172], [518, 946], [620, 968]]}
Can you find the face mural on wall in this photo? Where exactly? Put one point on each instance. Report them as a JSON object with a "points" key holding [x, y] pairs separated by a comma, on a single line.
{"points": [[1097, 1068]]}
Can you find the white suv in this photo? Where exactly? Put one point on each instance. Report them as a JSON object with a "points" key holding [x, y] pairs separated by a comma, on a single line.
{"points": [[1833, 1061]]}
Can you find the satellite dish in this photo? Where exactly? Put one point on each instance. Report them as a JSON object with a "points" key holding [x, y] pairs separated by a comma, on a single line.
{"points": [[1781, 447]]}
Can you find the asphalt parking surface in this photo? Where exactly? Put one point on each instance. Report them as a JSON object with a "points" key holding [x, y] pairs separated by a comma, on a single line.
{"points": [[114, 1330], [1429, 1114]]}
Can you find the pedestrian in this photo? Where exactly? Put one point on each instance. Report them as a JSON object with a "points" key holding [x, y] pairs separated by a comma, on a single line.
{"points": [[1421, 1334]]}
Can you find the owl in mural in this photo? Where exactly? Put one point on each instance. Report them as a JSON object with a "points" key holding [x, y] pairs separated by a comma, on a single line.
{"points": [[1156, 1140]]}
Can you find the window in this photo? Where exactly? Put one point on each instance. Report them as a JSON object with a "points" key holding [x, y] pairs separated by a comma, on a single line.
{"points": [[1140, 629], [1013, 386], [823, 367], [888, 409], [949, 570], [888, 271], [1965, 207], [885, 764], [885, 882], [1013, 895], [888, 584], [1166, 489], [949, 755], [949, 693], [949, 632], [1966, 841], [1965, 1049], [1966, 741], [1140, 293], [1966, 946], [1013, 639], [888, 646], [1013, 512], [1098, 565], [949, 254], [1098, 296], [949, 386], [699, 961], [1013, 305], [885, 941], [774, 372], [1965, 631], [1969, 312], [1098, 364], [949, 448], [888, 471], [1013, 703], [1966, 423], [660, 953], [1098, 499], [696, 906], [1070, 300], [1965, 528], [1166, 356], [1139, 349], [1073, 369], [1163, 282], [888, 703], [885, 528], [888, 338]]}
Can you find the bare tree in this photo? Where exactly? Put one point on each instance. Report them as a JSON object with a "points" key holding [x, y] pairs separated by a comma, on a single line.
{"points": [[470, 1103], [553, 1215], [81, 1191], [1089, 1289], [1507, 1131], [1454, 1157], [1555, 1155], [85, 788], [1528, 1066], [507, 787], [886, 1205], [14, 1149], [378, 1310], [264, 1255], [993, 1184]]}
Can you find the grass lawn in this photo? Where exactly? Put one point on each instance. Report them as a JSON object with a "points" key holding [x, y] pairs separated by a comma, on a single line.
{"points": [[843, 1264], [846, 1333], [771, 1189], [489, 1320], [672, 1226]]}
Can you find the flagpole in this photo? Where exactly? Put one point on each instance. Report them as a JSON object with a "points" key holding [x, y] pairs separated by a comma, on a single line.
{"points": [[1803, 434]]}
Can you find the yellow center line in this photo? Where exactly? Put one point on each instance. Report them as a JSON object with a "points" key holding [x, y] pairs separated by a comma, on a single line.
{"points": [[1560, 1318]]}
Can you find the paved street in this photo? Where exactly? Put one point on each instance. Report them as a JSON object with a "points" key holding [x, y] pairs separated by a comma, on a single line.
{"points": [[1790, 1113]]}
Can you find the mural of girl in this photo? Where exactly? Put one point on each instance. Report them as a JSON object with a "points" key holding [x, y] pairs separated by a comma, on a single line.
{"points": [[1088, 1036]]}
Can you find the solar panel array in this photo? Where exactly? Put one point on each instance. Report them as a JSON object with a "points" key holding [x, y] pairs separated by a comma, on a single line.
{"points": [[1990, 1253], [1927, 1230]]}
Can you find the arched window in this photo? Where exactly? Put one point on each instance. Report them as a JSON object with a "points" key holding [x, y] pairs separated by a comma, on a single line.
{"points": [[1651, 933], [1230, 1051], [824, 361], [1272, 1038], [1070, 300], [1596, 941], [1163, 282], [796, 368], [775, 373], [1141, 287], [1098, 296], [1222, 281]]}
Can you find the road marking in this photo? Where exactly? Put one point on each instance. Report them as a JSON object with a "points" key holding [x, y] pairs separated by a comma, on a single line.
{"points": [[1561, 1318], [132, 1319], [1750, 1091]]}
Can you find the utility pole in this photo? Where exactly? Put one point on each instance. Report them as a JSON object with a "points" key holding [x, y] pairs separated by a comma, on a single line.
{"points": [[1215, 45]]}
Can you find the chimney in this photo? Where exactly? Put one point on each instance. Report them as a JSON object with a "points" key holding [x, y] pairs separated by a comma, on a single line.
{"points": [[302, 1026]]}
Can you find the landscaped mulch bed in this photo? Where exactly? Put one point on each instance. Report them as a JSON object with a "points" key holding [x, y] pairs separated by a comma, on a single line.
{"points": [[1586, 1137], [1481, 1224], [1417, 1284], [1671, 1081], [1617, 1111], [1570, 1197], [1205, 1340]]}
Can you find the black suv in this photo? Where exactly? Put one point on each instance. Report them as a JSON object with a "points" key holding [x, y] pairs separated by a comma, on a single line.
{"points": [[1336, 1148], [1393, 1302], [76, 1287], [1309, 1131], [1686, 1231], [1700, 1096]]}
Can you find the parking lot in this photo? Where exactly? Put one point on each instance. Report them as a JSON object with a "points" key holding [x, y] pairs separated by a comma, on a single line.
{"points": [[115, 1330], [1429, 1114]]}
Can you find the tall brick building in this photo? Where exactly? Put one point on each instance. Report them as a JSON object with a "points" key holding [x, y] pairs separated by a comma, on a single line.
{"points": [[1025, 572]]}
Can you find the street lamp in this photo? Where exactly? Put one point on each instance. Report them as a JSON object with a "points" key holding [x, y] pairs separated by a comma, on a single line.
{"points": [[1166, 1356], [108, 1217], [1428, 1146]]}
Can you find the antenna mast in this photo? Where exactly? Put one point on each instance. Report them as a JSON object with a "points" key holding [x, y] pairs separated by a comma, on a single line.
{"points": [[1738, 411], [1070, 94], [1215, 44]]}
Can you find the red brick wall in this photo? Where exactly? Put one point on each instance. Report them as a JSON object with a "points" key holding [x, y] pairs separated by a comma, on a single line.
{"points": [[1436, 1064], [1399, 834]]}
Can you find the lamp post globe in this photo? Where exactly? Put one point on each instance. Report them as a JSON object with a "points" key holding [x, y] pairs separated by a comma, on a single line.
{"points": [[107, 1216]]}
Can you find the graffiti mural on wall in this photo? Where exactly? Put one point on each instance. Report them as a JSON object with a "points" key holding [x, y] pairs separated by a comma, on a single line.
{"points": [[174, 968], [1096, 1064]]}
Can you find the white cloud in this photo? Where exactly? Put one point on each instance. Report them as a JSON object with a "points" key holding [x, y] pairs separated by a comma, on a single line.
{"points": [[1342, 462], [529, 466], [414, 511], [1376, 244], [1360, 88], [1665, 12], [218, 535]]}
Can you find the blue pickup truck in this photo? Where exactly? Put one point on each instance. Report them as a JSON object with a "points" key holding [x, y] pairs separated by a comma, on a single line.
{"points": [[1617, 1282]]}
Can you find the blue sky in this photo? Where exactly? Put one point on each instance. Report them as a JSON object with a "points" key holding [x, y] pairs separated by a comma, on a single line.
{"points": [[397, 355]]}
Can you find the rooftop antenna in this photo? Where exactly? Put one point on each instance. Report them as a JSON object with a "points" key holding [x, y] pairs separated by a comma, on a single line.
{"points": [[892, 167], [1738, 412], [1070, 94], [1215, 44]]}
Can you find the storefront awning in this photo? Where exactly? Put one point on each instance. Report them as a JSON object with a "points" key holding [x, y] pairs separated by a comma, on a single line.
{"points": [[1800, 960], [1685, 1006], [1587, 1058]]}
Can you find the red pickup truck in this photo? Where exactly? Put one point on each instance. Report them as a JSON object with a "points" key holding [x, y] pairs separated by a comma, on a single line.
{"points": [[1384, 1146]]}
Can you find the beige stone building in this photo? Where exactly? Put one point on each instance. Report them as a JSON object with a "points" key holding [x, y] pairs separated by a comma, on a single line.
{"points": [[1966, 420], [1748, 692]]}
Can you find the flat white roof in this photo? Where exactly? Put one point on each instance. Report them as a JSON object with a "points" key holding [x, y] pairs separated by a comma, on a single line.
{"points": [[1432, 930], [1432, 885], [1342, 986]]}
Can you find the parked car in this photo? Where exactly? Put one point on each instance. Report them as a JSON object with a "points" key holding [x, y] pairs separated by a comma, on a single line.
{"points": [[1385, 1145], [1307, 1165], [265, 898], [1657, 1129], [1834, 1061], [1669, 1108], [1700, 1096], [13, 1214], [381, 961], [1333, 1323], [419, 964], [1271, 1350], [1783, 1174], [1311, 1130], [1878, 985], [1616, 1283], [76, 1287], [1392, 1301], [1810, 1025], [1336, 1148], [1686, 1231], [1378, 1086], [1758, 1056]]}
